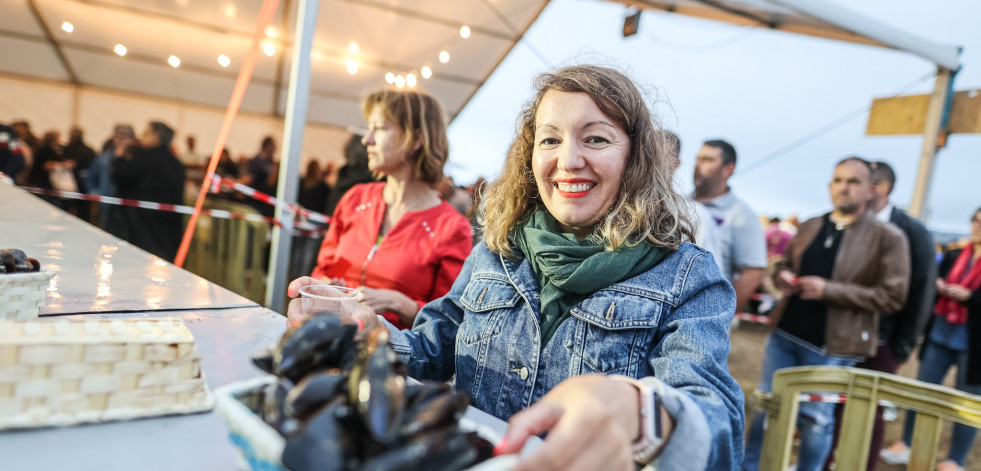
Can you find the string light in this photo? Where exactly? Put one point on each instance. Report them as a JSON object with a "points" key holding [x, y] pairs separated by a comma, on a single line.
{"points": [[224, 61], [230, 10], [67, 27], [353, 47], [352, 67], [400, 81], [269, 49], [271, 32], [174, 61], [410, 79], [426, 72], [464, 31], [444, 56], [119, 50], [390, 78]]}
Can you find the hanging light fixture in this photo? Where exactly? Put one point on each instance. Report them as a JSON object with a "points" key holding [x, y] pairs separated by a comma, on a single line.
{"points": [[269, 49], [426, 72], [174, 61], [444, 56], [224, 61], [410, 79], [390, 78], [353, 47], [400, 81], [464, 31], [120, 50], [352, 67], [67, 27]]}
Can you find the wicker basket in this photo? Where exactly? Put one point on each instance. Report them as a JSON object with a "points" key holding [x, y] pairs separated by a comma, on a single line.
{"points": [[22, 294], [63, 372]]}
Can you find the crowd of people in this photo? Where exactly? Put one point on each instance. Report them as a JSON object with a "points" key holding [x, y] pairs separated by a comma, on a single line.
{"points": [[580, 295]]}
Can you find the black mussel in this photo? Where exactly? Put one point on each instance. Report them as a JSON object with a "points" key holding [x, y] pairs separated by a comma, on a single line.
{"points": [[313, 392], [442, 411], [323, 444], [446, 449], [273, 398], [320, 342], [15, 260], [376, 391], [264, 360], [35, 265]]}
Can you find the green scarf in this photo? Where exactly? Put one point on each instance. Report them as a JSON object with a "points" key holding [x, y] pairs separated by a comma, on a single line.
{"points": [[569, 271]]}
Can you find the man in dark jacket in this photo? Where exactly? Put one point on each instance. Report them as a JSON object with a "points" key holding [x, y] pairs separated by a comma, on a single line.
{"points": [[147, 170], [838, 274], [899, 331]]}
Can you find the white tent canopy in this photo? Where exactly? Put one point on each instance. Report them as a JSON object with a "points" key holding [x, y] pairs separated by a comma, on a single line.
{"points": [[78, 76]]}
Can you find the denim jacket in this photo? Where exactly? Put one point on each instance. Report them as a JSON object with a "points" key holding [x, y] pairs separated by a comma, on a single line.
{"points": [[668, 326]]}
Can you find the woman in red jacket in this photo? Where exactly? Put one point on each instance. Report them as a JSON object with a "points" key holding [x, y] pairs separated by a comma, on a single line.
{"points": [[397, 241]]}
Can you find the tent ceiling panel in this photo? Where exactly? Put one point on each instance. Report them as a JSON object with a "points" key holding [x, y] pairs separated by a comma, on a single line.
{"points": [[230, 17], [31, 58], [165, 82], [17, 18], [479, 15]]}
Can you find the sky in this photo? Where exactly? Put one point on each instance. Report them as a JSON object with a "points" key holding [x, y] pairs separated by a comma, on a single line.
{"points": [[759, 89]]}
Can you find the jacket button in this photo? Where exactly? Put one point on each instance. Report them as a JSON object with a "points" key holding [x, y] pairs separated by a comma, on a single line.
{"points": [[523, 373]]}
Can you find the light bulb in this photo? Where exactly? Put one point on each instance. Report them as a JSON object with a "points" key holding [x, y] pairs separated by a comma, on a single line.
{"points": [[464, 31], [269, 49], [444, 56], [67, 27], [230, 10], [271, 32], [426, 72], [400, 81], [174, 61], [120, 50], [352, 67], [224, 61], [353, 47], [390, 77], [410, 80]]}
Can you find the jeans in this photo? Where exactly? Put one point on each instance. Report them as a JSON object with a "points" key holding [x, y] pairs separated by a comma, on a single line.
{"points": [[937, 360], [815, 420]]}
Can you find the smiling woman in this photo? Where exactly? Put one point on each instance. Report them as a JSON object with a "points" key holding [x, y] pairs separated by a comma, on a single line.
{"points": [[586, 314]]}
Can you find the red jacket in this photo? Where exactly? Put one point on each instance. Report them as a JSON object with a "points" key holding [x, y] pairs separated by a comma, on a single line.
{"points": [[420, 256]]}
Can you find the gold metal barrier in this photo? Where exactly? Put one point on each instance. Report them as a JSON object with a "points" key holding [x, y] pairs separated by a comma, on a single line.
{"points": [[231, 252], [863, 389]]}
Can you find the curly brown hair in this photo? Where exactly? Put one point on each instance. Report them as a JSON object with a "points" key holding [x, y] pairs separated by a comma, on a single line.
{"points": [[415, 113], [647, 208]]}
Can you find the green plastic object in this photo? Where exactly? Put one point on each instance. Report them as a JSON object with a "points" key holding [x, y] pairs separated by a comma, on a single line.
{"points": [[863, 390]]}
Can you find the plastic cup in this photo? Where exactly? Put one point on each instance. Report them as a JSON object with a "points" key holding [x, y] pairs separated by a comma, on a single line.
{"points": [[329, 299]]}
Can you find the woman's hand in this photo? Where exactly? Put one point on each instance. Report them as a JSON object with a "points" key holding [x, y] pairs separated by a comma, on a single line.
{"points": [[957, 292], [591, 422], [384, 300], [294, 313]]}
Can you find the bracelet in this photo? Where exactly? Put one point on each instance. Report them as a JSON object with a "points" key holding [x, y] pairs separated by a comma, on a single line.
{"points": [[650, 440]]}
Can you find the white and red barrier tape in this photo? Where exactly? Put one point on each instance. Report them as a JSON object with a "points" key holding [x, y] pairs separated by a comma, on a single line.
{"points": [[745, 316], [304, 229], [268, 199], [831, 398]]}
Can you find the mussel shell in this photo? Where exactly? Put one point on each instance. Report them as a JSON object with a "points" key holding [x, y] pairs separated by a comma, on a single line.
{"points": [[320, 342], [313, 392], [376, 391], [273, 398], [442, 411], [323, 445], [445, 449]]}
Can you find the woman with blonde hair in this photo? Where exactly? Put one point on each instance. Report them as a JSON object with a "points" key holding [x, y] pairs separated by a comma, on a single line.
{"points": [[397, 241], [586, 313]]}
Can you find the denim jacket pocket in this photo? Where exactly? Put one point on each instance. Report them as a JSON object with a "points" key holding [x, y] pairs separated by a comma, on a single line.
{"points": [[485, 299], [614, 334]]}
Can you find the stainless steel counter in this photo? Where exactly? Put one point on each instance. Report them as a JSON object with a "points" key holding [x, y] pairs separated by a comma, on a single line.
{"points": [[96, 272]]}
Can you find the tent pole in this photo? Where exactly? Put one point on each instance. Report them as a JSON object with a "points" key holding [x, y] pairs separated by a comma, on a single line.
{"points": [[931, 133], [296, 116]]}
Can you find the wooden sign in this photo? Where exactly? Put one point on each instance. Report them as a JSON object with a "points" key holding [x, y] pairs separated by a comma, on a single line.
{"points": [[907, 114]]}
